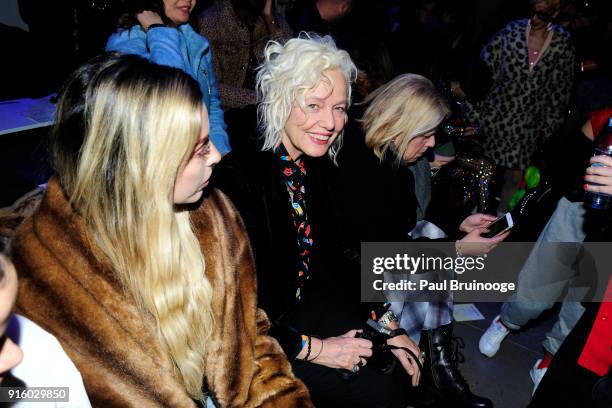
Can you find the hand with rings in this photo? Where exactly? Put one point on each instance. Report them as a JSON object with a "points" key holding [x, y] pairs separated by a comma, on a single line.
{"points": [[345, 351], [357, 366]]}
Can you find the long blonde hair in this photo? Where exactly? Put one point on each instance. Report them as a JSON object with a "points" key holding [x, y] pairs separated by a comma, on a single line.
{"points": [[405, 107], [140, 123]]}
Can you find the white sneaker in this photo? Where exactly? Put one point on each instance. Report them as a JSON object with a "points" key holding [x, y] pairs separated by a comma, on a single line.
{"points": [[536, 373], [491, 339]]}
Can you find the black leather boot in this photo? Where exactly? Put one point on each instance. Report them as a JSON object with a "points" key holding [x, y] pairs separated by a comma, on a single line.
{"points": [[441, 369]]}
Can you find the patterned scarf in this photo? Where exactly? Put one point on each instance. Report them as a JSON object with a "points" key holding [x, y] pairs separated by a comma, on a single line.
{"points": [[293, 174]]}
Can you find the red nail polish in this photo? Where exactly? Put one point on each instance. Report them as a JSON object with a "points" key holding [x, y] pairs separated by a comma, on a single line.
{"points": [[586, 186]]}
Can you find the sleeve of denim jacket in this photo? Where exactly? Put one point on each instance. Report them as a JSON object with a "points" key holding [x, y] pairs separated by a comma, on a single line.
{"points": [[161, 45], [217, 121], [164, 45], [132, 41]]}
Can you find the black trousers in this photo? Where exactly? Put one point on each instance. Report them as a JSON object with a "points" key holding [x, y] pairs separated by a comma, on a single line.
{"points": [[368, 389]]}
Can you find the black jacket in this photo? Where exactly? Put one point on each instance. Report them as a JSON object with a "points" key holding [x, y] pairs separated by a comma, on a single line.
{"points": [[376, 199], [253, 182]]}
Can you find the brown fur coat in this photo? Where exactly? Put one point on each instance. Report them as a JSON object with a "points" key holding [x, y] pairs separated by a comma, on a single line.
{"points": [[66, 290]]}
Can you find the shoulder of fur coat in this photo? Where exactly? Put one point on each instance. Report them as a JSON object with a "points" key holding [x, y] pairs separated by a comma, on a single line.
{"points": [[66, 288]]}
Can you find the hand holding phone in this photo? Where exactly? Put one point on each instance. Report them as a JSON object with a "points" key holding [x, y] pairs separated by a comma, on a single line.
{"points": [[499, 226], [476, 221]]}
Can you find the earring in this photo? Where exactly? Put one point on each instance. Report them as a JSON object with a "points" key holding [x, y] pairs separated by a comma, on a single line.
{"points": [[549, 27]]}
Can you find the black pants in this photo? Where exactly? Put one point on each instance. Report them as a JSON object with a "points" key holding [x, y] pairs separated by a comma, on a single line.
{"points": [[368, 389]]}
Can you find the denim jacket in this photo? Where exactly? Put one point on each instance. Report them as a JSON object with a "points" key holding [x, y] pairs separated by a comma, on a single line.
{"points": [[181, 48]]}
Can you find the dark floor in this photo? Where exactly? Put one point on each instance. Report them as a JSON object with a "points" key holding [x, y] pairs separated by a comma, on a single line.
{"points": [[505, 377]]}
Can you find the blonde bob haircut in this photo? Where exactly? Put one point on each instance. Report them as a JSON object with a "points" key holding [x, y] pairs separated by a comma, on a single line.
{"points": [[124, 129], [288, 72], [405, 107]]}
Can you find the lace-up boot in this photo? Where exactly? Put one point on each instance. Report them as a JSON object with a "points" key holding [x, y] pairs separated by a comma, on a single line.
{"points": [[442, 355]]}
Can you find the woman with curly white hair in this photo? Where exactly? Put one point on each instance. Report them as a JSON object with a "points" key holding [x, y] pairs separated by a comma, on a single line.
{"points": [[304, 89]]}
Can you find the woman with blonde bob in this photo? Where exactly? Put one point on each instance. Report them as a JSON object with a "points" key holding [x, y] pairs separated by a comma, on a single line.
{"points": [[376, 191], [144, 275], [387, 124], [304, 90]]}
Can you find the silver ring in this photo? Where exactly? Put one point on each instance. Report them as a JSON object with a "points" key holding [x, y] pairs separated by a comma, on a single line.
{"points": [[360, 363], [422, 356], [355, 368]]}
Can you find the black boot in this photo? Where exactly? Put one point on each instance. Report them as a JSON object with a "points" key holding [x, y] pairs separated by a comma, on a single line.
{"points": [[441, 369]]}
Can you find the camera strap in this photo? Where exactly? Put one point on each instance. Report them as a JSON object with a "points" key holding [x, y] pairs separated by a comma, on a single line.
{"points": [[389, 347], [390, 334]]}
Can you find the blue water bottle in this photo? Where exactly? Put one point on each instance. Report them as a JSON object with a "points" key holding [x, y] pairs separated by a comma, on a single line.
{"points": [[603, 147]]}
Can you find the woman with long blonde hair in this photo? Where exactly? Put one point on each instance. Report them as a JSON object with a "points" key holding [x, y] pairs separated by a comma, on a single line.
{"points": [[144, 275]]}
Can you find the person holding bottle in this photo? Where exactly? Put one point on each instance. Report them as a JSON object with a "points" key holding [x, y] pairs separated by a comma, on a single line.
{"points": [[598, 194], [580, 374], [567, 224]]}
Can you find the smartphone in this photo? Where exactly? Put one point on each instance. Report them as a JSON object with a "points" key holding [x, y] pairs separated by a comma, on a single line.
{"points": [[499, 226]]}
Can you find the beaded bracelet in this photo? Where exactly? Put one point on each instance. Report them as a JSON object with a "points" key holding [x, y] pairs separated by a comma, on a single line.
{"points": [[320, 351], [309, 349]]}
